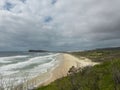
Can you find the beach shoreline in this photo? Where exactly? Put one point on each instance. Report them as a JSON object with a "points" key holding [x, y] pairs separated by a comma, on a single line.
{"points": [[65, 63]]}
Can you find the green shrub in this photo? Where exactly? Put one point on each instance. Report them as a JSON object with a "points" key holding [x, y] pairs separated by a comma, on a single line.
{"points": [[105, 76]]}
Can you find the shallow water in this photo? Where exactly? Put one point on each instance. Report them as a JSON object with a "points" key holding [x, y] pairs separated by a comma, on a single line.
{"points": [[22, 66]]}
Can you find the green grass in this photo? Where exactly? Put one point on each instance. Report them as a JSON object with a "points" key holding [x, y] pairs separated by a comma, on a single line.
{"points": [[105, 76], [99, 55]]}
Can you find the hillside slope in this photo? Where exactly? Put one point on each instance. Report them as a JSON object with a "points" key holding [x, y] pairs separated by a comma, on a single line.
{"points": [[105, 76]]}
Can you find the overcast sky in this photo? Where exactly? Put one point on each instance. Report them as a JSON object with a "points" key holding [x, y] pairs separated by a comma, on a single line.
{"points": [[59, 24]]}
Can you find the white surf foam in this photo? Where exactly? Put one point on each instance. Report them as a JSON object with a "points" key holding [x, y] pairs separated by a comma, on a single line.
{"points": [[11, 58], [47, 61]]}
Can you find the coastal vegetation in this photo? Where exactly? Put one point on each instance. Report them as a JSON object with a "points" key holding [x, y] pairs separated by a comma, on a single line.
{"points": [[105, 76]]}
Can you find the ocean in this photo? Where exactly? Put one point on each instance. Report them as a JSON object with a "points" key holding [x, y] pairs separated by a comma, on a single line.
{"points": [[19, 67]]}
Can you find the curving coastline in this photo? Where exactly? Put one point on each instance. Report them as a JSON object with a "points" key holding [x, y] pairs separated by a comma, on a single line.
{"points": [[66, 62]]}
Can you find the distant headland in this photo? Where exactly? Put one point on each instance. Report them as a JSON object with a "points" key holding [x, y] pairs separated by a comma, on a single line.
{"points": [[42, 51], [38, 51]]}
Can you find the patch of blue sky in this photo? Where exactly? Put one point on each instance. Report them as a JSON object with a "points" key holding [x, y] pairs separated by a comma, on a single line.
{"points": [[48, 19], [53, 1], [8, 6]]}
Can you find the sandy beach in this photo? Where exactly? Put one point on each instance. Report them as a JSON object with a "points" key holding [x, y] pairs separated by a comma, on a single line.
{"points": [[66, 62]]}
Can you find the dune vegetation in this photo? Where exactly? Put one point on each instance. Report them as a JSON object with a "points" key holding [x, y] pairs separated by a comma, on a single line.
{"points": [[105, 76]]}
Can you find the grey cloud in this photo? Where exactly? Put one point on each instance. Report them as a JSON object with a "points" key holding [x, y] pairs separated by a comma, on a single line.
{"points": [[23, 1], [63, 25]]}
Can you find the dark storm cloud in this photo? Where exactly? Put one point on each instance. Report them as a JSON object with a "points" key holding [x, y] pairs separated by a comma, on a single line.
{"points": [[59, 25]]}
